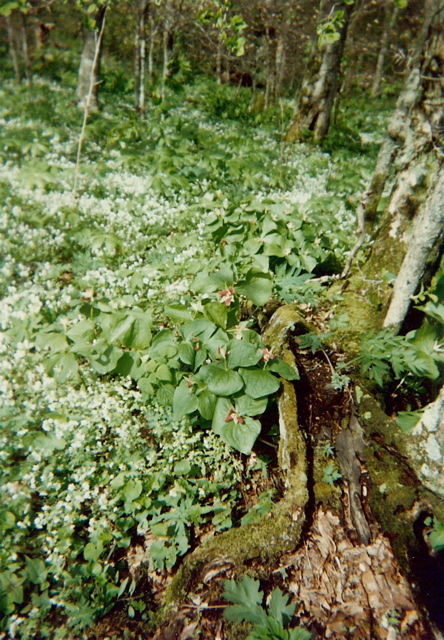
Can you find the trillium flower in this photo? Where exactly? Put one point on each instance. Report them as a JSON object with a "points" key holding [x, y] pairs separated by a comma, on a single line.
{"points": [[227, 295], [267, 355], [235, 417]]}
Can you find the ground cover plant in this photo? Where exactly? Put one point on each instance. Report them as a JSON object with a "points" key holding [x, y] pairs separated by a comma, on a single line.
{"points": [[133, 379]]}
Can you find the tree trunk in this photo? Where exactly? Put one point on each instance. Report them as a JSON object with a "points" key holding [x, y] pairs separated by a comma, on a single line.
{"points": [[89, 71], [12, 42], [400, 121], [167, 42], [140, 54], [320, 83], [25, 50], [390, 17]]}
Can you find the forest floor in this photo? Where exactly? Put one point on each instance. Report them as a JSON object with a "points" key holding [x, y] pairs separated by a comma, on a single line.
{"points": [[105, 488]]}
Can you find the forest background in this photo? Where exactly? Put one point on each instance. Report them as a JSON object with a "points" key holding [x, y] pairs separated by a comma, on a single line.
{"points": [[222, 319]]}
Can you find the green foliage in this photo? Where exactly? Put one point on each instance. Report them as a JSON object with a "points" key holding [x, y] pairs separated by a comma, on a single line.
{"points": [[268, 623], [331, 475], [435, 534]]}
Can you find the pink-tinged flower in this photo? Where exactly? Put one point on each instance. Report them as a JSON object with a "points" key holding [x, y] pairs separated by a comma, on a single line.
{"points": [[235, 417], [89, 294], [267, 355], [227, 295]]}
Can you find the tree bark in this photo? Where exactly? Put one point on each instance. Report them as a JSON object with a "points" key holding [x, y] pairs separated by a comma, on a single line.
{"points": [[89, 70], [400, 121], [140, 54], [13, 49], [390, 17], [167, 42], [320, 82]]}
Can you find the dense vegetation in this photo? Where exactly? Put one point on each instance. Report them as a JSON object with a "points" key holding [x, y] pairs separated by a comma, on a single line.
{"points": [[138, 397]]}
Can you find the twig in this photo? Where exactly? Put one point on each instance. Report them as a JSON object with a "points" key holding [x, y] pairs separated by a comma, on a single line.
{"points": [[92, 84]]}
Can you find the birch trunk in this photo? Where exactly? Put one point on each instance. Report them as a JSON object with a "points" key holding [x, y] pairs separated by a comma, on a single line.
{"points": [[25, 50], [320, 83], [140, 54], [89, 70]]}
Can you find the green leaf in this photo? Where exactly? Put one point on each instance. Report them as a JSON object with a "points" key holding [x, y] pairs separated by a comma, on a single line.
{"points": [[242, 435], [242, 354], [247, 406], [186, 353], [278, 608], [146, 388], [184, 401], [62, 366], [247, 600], [36, 571], [220, 381], [407, 420], [207, 404], [257, 287], [283, 369], [83, 331], [178, 313], [259, 383], [132, 490], [217, 312], [92, 551], [165, 395]]}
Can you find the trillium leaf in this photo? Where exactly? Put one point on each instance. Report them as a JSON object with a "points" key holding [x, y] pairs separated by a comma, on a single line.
{"points": [[242, 354], [241, 435], [247, 406], [217, 312], [259, 383], [220, 381], [207, 404], [184, 401], [282, 368]]}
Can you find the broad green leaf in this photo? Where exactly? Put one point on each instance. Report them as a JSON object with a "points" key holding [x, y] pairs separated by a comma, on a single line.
{"points": [[107, 360], [256, 287], [186, 353], [242, 354], [282, 368], [241, 435], [247, 406], [217, 312], [178, 313], [220, 381], [132, 490], [207, 404], [259, 383], [53, 340], [184, 401], [92, 551], [165, 394], [221, 411], [146, 388], [83, 331]]}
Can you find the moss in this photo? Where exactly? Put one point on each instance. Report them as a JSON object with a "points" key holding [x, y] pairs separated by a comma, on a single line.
{"points": [[326, 494]]}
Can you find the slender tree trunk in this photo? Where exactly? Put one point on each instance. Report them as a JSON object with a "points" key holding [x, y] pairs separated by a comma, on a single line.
{"points": [[13, 49], [280, 60], [390, 17], [89, 71], [25, 50], [320, 83], [151, 51], [167, 37], [270, 74], [140, 54], [219, 61]]}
